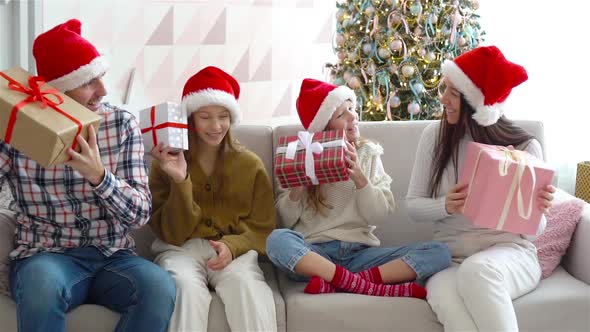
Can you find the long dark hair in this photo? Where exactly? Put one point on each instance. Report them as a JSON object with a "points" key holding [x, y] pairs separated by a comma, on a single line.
{"points": [[504, 132]]}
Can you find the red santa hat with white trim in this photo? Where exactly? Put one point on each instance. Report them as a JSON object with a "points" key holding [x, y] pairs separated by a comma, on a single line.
{"points": [[212, 86], [485, 78], [65, 59], [317, 102]]}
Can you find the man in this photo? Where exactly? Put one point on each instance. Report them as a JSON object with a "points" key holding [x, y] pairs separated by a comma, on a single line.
{"points": [[72, 241]]}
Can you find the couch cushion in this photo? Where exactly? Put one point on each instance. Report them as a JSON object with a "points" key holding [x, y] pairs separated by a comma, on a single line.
{"points": [[560, 303], [351, 312]]}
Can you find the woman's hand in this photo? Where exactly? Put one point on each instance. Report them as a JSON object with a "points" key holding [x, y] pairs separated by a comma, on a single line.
{"points": [[455, 199], [171, 163], [545, 198], [354, 170]]}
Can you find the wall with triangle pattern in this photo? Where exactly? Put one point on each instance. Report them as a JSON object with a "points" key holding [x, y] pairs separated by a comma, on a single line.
{"points": [[268, 45]]}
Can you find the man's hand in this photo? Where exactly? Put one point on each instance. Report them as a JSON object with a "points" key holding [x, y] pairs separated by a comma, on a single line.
{"points": [[224, 256], [87, 162]]}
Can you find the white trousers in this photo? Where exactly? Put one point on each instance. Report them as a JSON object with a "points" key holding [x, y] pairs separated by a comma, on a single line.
{"points": [[248, 300], [477, 294]]}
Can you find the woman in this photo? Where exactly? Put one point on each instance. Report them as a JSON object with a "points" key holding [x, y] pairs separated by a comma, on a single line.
{"points": [[495, 266], [212, 211], [330, 231]]}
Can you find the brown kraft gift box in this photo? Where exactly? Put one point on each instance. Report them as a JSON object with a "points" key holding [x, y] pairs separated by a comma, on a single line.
{"points": [[42, 134]]}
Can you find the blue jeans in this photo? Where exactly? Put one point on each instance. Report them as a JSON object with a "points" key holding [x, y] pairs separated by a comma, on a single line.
{"points": [[47, 285], [286, 247]]}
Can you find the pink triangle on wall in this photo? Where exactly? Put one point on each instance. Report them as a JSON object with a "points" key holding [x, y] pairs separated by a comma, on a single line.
{"points": [[284, 107], [164, 33], [265, 69], [191, 35], [242, 70], [216, 35], [191, 68], [163, 77]]}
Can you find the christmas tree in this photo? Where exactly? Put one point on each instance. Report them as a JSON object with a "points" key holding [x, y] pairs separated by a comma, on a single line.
{"points": [[390, 52]]}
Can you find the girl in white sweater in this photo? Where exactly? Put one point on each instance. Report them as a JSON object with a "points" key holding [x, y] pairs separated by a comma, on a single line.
{"points": [[329, 234], [491, 267]]}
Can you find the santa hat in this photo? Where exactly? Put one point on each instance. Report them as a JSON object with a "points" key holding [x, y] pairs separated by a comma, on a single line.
{"points": [[317, 102], [485, 78], [65, 59], [212, 86]]}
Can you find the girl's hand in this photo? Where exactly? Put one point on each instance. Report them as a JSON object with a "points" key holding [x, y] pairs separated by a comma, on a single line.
{"points": [[545, 198], [354, 170], [171, 163], [224, 256], [455, 199]]}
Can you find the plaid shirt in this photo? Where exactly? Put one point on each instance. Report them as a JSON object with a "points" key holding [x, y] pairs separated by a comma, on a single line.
{"points": [[59, 209]]}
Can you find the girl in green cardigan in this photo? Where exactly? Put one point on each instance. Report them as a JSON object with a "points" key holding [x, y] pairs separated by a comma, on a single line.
{"points": [[212, 211]]}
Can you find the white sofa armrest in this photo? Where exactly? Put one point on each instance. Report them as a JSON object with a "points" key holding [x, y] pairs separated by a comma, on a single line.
{"points": [[576, 260]]}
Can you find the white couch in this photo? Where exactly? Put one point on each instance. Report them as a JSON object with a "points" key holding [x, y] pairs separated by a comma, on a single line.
{"points": [[560, 303]]}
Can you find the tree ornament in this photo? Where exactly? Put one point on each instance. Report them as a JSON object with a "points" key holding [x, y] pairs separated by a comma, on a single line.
{"points": [[347, 75], [418, 87], [396, 45], [414, 108], [383, 52], [371, 69], [394, 101], [430, 56], [422, 52], [340, 40], [408, 70], [369, 11], [461, 41], [354, 82], [367, 48], [418, 31]]}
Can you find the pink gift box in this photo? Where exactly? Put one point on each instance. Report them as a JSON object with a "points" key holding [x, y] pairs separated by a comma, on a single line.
{"points": [[497, 177]]}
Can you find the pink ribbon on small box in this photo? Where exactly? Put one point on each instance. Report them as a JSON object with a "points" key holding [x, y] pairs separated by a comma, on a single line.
{"points": [[305, 142], [519, 158]]}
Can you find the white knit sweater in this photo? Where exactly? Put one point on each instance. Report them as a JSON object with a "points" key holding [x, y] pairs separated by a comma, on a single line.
{"points": [[463, 237], [353, 211]]}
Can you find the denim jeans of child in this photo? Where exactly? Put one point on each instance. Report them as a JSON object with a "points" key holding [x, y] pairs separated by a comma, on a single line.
{"points": [[286, 247]]}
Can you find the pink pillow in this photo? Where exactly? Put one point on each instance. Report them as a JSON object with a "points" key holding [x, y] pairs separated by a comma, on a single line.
{"points": [[562, 219]]}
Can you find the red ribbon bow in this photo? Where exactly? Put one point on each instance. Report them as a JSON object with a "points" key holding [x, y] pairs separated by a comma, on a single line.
{"points": [[35, 94]]}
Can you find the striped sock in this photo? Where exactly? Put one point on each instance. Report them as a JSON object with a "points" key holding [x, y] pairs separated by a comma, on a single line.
{"points": [[351, 283], [317, 285]]}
